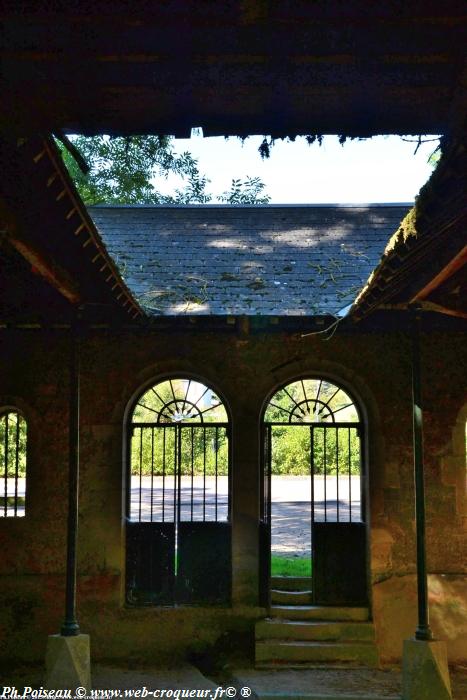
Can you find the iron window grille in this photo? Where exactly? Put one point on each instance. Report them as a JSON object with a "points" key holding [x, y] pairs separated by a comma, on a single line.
{"points": [[179, 455], [178, 527], [329, 425], [13, 461]]}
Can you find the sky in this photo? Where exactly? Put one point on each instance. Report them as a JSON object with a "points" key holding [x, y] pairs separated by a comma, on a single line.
{"points": [[380, 169]]}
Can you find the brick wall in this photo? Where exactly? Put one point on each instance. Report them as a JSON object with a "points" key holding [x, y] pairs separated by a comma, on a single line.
{"points": [[34, 375]]}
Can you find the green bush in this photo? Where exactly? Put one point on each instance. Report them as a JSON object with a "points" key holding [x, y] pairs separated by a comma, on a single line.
{"points": [[200, 452], [291, 450], [12, 444]]}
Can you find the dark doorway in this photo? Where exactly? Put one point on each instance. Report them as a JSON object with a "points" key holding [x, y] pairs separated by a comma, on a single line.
{"points": [[312, 522], [178, 497]]}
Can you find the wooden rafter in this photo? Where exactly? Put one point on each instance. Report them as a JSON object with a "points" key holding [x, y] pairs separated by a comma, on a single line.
{"points": [[83, 228], [41, 261], [454, 265]]}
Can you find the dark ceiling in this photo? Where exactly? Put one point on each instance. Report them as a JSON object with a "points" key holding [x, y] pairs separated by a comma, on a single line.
{"points": [[238, 67]]}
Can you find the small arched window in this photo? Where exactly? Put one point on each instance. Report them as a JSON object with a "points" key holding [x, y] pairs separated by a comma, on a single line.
{"points": [[13, 458]]}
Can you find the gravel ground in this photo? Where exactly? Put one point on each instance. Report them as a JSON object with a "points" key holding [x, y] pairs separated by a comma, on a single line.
{"points": [[334, 682], [118, 677], [184, 676], [337, 682]]}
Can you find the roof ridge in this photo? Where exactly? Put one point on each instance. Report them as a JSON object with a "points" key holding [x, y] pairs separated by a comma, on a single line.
{"points": [[335, 205]]}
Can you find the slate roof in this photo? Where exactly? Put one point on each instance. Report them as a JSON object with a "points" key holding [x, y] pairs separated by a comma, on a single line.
{"points": [[281, 260]]}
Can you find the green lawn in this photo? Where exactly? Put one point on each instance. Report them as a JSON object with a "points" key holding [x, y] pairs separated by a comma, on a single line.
{"points": [[290, 566]]}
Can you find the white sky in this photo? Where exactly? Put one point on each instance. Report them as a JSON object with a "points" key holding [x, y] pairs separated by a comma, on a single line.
{"points": [[381, 169]]}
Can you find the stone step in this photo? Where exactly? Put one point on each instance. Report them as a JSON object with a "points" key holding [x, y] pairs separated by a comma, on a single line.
{"points": [[314, 630], [291, 583], [291, 597], [284, 652], [319, 612]]}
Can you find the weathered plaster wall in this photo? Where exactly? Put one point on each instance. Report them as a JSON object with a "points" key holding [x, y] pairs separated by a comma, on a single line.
{"points": [[245, 371]]}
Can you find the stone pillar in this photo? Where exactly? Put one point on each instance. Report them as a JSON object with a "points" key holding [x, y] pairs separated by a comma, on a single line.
{"points": [[245, 509], [67, 662], [425, 674]]}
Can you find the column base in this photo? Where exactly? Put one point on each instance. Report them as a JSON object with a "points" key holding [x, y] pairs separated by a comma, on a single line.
{"points": [[425, 673], [67, 661]]}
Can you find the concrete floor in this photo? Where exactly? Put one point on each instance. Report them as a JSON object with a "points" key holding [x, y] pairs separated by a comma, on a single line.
{"points": [[283, 684]]}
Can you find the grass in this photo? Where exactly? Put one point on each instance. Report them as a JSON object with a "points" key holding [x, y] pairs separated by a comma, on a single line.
{"points": [[290, 566]]}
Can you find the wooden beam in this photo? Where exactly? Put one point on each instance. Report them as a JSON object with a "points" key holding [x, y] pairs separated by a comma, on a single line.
{"points": [[41, 261], [457, 263], [424, 306], [43, 265]]}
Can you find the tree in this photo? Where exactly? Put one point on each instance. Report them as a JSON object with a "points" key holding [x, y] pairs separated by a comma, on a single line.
{"points": [[123, 170]]}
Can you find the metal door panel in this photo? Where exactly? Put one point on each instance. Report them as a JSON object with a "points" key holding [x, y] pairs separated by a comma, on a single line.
{"points": [[179, 546], [339, 563], [264, 530], [150, 563], [204, 563]]}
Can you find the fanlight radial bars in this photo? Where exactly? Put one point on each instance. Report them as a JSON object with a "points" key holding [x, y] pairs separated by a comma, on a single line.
{"points": [[311, 401], [178, 401]]}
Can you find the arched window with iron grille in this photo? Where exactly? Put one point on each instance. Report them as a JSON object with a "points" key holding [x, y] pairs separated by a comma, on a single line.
{"points": [[314, 489], [178, 496], [13, 462]]}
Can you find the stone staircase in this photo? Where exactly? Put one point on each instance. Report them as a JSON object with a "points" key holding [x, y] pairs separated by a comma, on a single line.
{"points": [[300, 634]]}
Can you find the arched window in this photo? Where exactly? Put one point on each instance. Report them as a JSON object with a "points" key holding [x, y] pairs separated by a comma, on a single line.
{"points": [[311, 401], [13, 444], [313, 502], [178, 495]]}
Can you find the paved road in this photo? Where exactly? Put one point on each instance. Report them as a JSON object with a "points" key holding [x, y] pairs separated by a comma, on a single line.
{"points": [[290, 504], [11, 487]]}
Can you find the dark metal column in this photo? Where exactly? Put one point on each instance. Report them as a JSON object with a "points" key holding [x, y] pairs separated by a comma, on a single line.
{"points": [[423, 631], [70, 627]]}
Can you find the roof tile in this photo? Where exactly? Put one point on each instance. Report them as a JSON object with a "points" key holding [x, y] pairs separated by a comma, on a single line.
{"points": [[252, 260]]}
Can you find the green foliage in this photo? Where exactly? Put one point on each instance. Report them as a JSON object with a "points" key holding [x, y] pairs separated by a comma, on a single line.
{"points": [[311, 404], [13, 438], [249, 191], [200, 452], [202, 449], [291, 453], [434, 157], [123, 170]]}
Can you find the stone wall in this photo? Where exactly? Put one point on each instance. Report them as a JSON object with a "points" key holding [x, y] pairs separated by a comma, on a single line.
{"points": [[116, 366]]}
